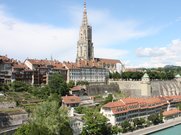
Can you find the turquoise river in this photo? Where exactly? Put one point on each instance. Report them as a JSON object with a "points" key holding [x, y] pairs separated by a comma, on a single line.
{"points": [[175, 130]]}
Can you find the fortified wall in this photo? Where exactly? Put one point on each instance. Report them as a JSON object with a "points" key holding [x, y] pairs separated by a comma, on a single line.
{"points": [[93, 90], [147, 88]]}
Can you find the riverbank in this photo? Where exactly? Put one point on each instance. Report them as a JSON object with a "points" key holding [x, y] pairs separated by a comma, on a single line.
{"points": [[152, 129]]}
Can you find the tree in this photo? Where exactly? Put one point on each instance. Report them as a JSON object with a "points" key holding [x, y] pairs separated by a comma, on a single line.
{"points": [[95, 124], [58, 85], [19, 86], [23, 130], [115, 130], [32, 129], [47, 119], [4, 87], [41, 92], [53, 117], [179, 106], [71, 84], [126, 126], [108, 99], [82, 83], [116, 76], [138, 122], [156, 118], [110, 75]]}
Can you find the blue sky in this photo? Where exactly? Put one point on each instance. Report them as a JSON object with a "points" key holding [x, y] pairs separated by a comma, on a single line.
{"points": [[138, 32]]}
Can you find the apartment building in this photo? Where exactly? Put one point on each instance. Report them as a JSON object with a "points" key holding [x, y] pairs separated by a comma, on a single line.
{"points": [[20, 72], [42, 69], [5, 69], [86, 71], [129, 108]]}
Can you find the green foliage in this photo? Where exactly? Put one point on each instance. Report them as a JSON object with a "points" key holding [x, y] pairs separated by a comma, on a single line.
{"points": [[19, 86], [115, 75], [32, 129], [95, 124], [159, 74], [156, 118], [23, 130], [4, 87], [138, 122], [132, 75], [81, 109], [71, 84], [179, 106], [53, 117], [41, 92], [82, 83], [47, 119], [108, 99], [126, 126], [58, 85], [115, 130]]}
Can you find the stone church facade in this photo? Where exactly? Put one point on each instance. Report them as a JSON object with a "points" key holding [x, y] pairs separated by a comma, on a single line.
{"points": [[85, 49]]}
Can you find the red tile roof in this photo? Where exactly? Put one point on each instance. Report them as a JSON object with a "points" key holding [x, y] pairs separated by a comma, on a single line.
{"points": [[114, 104], [70, 99], [76, 88], [171, 112], [136, 103], [107, 61]]}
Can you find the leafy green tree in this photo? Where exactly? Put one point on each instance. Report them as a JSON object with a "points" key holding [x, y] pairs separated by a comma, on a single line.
{"points": [[126, 126], [156, 118], [53, 117], [4, 87], [32, 129], [95, 124], [82, 83], [110, 75], [47, 119], [23, 130], [116, 76], [81, 109], [115, 130], [71, 84], [179, 106], [108, 99], [41, 92], [58, 85], [19, 86], [138, 122]]}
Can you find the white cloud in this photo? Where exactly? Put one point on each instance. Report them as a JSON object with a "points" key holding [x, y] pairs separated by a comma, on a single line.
{"points": [[108, 30], [20, 39], [161, 56], [110, 53]]}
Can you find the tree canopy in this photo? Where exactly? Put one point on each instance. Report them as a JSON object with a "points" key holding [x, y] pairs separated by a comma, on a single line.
{"points": [[49, 117], [58, 85], [95, 124]]}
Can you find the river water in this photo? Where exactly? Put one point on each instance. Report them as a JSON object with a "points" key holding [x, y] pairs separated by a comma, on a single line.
{"points": [[175, 130]]}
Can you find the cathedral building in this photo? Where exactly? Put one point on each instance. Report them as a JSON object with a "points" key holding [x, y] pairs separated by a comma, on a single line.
{"points": [[85, 49]]}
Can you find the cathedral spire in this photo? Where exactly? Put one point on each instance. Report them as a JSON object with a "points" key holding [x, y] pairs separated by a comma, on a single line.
{"points": [[85, 20]]}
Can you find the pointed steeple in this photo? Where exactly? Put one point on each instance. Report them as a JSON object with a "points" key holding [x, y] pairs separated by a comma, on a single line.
{"points": [[85, 19]]}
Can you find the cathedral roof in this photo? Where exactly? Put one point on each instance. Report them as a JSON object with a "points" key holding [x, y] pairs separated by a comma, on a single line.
{"points": [[107, 61]]}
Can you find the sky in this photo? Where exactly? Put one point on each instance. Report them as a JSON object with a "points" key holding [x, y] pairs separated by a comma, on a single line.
{"points": [[140, 33]]}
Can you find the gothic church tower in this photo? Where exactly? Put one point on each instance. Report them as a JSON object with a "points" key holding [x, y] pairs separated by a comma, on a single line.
{"points": [[85, 48]]}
